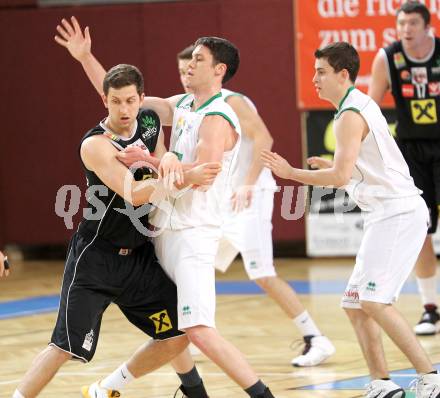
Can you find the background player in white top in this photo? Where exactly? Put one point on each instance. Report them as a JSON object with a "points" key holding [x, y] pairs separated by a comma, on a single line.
{"points": [[395, 68], [181, 257], [248, 225], [370, 166]]}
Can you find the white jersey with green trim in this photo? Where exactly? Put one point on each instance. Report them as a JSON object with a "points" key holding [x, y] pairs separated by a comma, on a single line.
{"points": [[380, 171], [265, 179], [194, 207]]}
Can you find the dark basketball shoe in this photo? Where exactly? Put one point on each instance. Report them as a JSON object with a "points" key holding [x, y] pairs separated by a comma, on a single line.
{"points": [[429, 323], [266, 394], [193, 392]]}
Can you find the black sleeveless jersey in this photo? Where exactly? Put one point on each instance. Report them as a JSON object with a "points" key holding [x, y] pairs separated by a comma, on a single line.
{"points": [[416, 90], [102, 217]]}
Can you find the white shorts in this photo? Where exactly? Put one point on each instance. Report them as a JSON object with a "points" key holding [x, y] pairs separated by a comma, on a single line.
{"points": [[389, 249], [249, 232], [187, 256]]}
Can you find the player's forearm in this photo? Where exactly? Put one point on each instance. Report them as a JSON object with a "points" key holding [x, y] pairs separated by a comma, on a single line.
{"points": [[94, 71], [256, 165], [142, 192], [325, 177]]}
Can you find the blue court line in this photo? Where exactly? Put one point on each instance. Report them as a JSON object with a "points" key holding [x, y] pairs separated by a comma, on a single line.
{"points": [[39, 305], [401, 377], [28, 306]]}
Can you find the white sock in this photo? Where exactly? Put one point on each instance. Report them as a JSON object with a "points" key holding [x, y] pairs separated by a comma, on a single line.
{"points": [[118, 379], [428, 289], [17, 394], [306, 325]]}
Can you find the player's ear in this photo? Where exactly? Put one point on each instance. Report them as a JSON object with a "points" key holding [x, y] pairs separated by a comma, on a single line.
{"points": [[221, 68], [104, 100], [142, 96]]}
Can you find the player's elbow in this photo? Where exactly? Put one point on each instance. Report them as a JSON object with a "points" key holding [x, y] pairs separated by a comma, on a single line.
{"points": [[341, 178]]}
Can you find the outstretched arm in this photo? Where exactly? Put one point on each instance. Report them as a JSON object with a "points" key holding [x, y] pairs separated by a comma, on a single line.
{"points": [[79, 44], [350, 129]]}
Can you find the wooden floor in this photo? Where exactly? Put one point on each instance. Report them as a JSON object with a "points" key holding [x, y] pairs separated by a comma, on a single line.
{"points": [[252, 322]]}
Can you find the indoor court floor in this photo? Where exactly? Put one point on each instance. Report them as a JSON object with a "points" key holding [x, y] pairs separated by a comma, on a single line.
{"points": [[29, 298]]}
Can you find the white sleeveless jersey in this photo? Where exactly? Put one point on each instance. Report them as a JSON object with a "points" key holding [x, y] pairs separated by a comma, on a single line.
{"points": [[265, 179], [380, 171], [191, 207]]}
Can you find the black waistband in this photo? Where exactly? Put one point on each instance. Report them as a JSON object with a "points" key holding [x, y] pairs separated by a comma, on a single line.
{"points": [[104, 244]]}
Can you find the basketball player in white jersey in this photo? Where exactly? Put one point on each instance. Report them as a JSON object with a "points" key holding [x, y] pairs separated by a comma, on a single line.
{"points": [[369, 165], [204, 127], [247, 228]]}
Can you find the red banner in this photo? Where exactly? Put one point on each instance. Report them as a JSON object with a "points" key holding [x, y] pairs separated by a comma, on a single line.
{"points": [[367, 24]]}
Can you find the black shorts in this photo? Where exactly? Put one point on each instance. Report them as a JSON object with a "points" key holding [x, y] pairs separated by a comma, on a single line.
{"points": [[423, 158], [94, 278]]}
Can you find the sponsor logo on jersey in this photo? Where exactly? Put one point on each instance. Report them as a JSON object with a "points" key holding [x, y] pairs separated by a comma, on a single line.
{"points": [[149, 132], [371, 286], [253, 264], [149, 125], [351, 294], [405, 75], [407, 90], [435, 70], [147, 121], [88, 341], [434, 89], [424, 111], [419, 75], [162, 321], [399, 60], [186, 310]]}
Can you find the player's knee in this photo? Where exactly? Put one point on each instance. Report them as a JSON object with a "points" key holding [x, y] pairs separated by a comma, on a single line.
{"points": [[57, 354], [200, 336], [175, 345], [353, 314], [266, 282], [371, 307]]}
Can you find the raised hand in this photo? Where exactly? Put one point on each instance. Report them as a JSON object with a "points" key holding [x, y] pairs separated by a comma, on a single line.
{"points": [[71, 36]]}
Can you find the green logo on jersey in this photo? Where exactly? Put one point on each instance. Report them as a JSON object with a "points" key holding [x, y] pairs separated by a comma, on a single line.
{"points": [[147, 121], [186, 310], [371, 286]]}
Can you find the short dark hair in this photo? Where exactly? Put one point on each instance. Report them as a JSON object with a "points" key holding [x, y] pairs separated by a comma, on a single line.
{"points": [[223, 52], [186, 53], [341, 55], [123, 75], [415, 7]]}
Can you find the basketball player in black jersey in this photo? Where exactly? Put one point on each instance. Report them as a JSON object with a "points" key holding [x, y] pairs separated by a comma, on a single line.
{"points": [[109, 257], [410, 68], [4, 265]]}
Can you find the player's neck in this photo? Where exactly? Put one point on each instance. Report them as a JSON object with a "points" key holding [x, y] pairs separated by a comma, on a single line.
{"points": [[422, 50], [122, 131], [340, 96], [203, 95]]}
